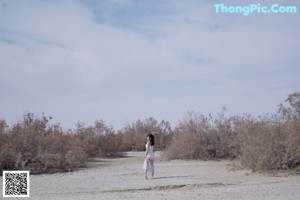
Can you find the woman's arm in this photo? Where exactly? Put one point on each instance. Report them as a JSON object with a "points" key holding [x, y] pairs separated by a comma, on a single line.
{"points": [[147, 149]]}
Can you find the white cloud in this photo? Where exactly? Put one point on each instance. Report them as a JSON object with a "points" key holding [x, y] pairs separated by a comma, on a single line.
{"points": [[68, 60]]}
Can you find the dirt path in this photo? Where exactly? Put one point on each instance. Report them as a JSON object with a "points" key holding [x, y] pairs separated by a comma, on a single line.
{"points": [[122, 178]]}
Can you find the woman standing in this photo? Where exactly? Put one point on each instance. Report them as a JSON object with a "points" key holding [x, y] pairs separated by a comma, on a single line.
{"points": [[149, 157]]}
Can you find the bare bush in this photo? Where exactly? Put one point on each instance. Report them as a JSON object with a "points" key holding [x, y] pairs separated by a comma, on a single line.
{"points": [[38, 146], [269, 142], [291, 109], [272, 146], [6, 155], [88, 139], [134, 136], [200, 137], [99, 140]]}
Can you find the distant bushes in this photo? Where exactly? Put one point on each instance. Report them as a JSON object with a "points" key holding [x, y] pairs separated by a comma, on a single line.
{"points": [[134, 135], [98, 140], [273, 142], [269, 142], [38, 146], [260, 144], [272, 145], [200, 137]]}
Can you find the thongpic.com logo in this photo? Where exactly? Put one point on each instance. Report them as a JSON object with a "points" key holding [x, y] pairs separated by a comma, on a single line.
{"points": [[255, 8]]}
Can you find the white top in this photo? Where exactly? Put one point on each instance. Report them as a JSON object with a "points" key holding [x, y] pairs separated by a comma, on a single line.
{"points": [[150, 154]]}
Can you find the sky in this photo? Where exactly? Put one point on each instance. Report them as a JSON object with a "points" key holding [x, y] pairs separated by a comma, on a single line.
{"points": [[124, 60]]}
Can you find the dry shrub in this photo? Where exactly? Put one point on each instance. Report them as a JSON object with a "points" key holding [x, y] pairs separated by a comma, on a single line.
{"points": [[134, 136], [200, 137], [38, 146], [273, 142], [110, 143], [272, 146], [88, 139], [292, 154], [6, 155], [265, 143], [99, 140], [269, 142]]}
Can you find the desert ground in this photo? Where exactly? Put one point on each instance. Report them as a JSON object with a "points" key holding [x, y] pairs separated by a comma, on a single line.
{"points": [[122, 178]]}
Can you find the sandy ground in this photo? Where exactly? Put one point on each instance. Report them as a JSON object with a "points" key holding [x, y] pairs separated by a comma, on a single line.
{"points": [[122, 178]]}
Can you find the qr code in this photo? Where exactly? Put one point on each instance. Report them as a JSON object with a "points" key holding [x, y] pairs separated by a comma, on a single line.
{"points": [[15, 183]]}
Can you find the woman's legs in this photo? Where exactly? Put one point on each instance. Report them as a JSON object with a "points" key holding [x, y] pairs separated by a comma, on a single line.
{"points": [[147, 166], [151, 161], [150, 167], [146, 174]]}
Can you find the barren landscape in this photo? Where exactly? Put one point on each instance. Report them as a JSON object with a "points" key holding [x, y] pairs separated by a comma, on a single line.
{"points": [[87, 85], [122, 178]]}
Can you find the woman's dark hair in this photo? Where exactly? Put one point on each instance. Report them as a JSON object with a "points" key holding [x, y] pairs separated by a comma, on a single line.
{"points": [[152, 139]]}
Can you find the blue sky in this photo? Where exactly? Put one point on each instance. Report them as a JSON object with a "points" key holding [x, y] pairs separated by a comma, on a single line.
{"points": [[123, 60]]}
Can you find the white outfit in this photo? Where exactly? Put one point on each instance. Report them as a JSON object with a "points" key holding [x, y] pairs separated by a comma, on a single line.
{"points": [[150, 153], [150, 156]]}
